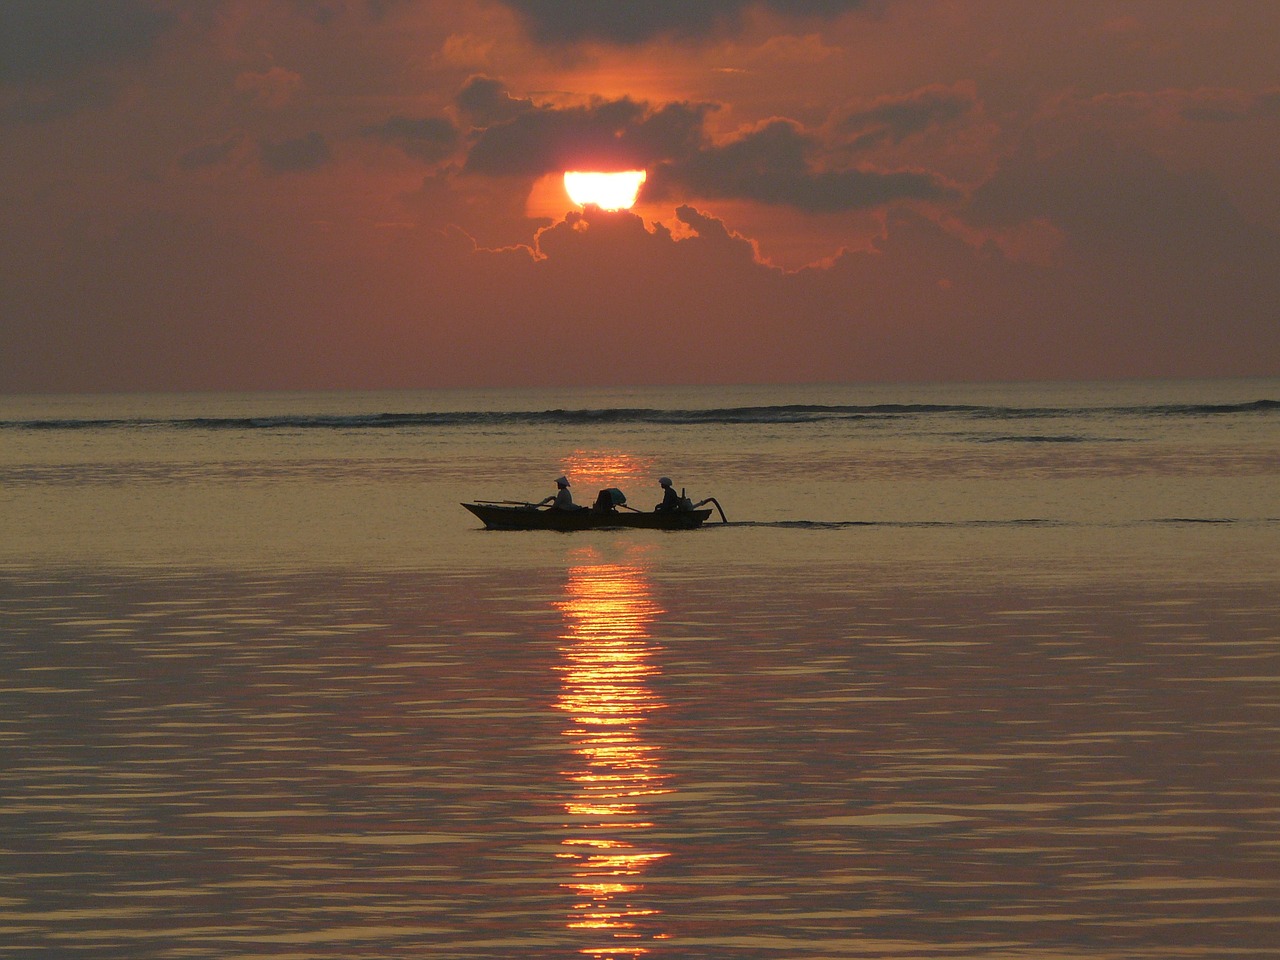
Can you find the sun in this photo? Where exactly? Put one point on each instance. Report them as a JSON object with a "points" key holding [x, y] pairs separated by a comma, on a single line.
{"points": [[608, 191]]}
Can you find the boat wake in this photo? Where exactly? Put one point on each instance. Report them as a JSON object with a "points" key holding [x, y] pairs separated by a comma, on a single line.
{"points": [[846, 524], [1039, 522]]}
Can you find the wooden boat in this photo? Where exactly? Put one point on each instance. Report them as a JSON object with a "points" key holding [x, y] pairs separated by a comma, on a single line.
{"points": [[526, 516]]}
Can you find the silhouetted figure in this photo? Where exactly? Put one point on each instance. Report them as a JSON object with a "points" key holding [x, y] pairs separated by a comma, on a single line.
{"points": [[670, 499], [562, 499]]}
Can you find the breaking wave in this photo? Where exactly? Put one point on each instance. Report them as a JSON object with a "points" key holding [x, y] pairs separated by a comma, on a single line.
{"points": [[765, 415]]}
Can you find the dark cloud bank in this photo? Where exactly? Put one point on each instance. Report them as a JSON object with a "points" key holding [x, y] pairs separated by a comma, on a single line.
{"points": [[58, 57], [777, 163], [44, 40], [774, 164], [628, 23]]}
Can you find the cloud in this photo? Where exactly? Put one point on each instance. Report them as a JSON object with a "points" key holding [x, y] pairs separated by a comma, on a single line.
{"points": [[771, 164], [303, 153], [58, 57], [465, 50], [1118, 200], [892, 119], [1153, 254], [923, 304], [620, 240], [711, 230], [45, 40], [435, 310], [429, 139], [43, 104], [604, 134], [487, 102], [627, 24], [209, 154], [1204, 105], [486, 209], [271, 89], [1227, 106]]}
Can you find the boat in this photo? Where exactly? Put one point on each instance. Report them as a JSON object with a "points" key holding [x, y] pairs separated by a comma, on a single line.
{"points": [[526, 516], [610, 510]]}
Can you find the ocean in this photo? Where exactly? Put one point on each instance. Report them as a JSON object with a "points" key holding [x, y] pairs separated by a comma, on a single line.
{"points": [[972, 671]]}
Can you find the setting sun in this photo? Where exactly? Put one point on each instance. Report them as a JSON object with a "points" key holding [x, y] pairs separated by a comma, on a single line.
{"points": [[609, 191]]}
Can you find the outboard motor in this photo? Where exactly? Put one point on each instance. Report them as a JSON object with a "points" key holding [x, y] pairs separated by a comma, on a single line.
{"points": [[609, 500]]}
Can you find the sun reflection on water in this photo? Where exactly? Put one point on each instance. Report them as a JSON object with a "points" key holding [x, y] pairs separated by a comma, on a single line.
{"points": [[589, 469], [606, 665]]}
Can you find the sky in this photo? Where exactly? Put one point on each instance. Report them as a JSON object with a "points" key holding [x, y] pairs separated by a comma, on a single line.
{"points": [[368, 194]]}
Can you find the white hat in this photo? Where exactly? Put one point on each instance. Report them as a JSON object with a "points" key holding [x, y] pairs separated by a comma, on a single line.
{"points": [[664, 481], [562, 481]]}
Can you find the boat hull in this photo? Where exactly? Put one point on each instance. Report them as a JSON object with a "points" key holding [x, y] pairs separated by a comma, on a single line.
{"points": [[502, 517]]}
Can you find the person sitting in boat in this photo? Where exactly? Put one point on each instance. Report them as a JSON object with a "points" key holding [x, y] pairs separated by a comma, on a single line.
{"points": [[670, 499], [562, 499]]}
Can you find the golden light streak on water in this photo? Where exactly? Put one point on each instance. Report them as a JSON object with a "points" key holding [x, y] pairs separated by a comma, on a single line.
{"points": [[591, 470], [606, 665]]}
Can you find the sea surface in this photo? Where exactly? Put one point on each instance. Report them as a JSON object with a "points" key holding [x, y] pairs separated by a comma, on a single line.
{"points": [[972, 671]]}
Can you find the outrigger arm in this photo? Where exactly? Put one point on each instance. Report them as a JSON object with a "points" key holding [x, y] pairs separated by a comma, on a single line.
{"points": [[723, 518]]}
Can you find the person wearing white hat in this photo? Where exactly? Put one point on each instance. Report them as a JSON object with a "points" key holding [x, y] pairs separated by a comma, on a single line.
{"points": [[670, 499], [562, 499]]}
